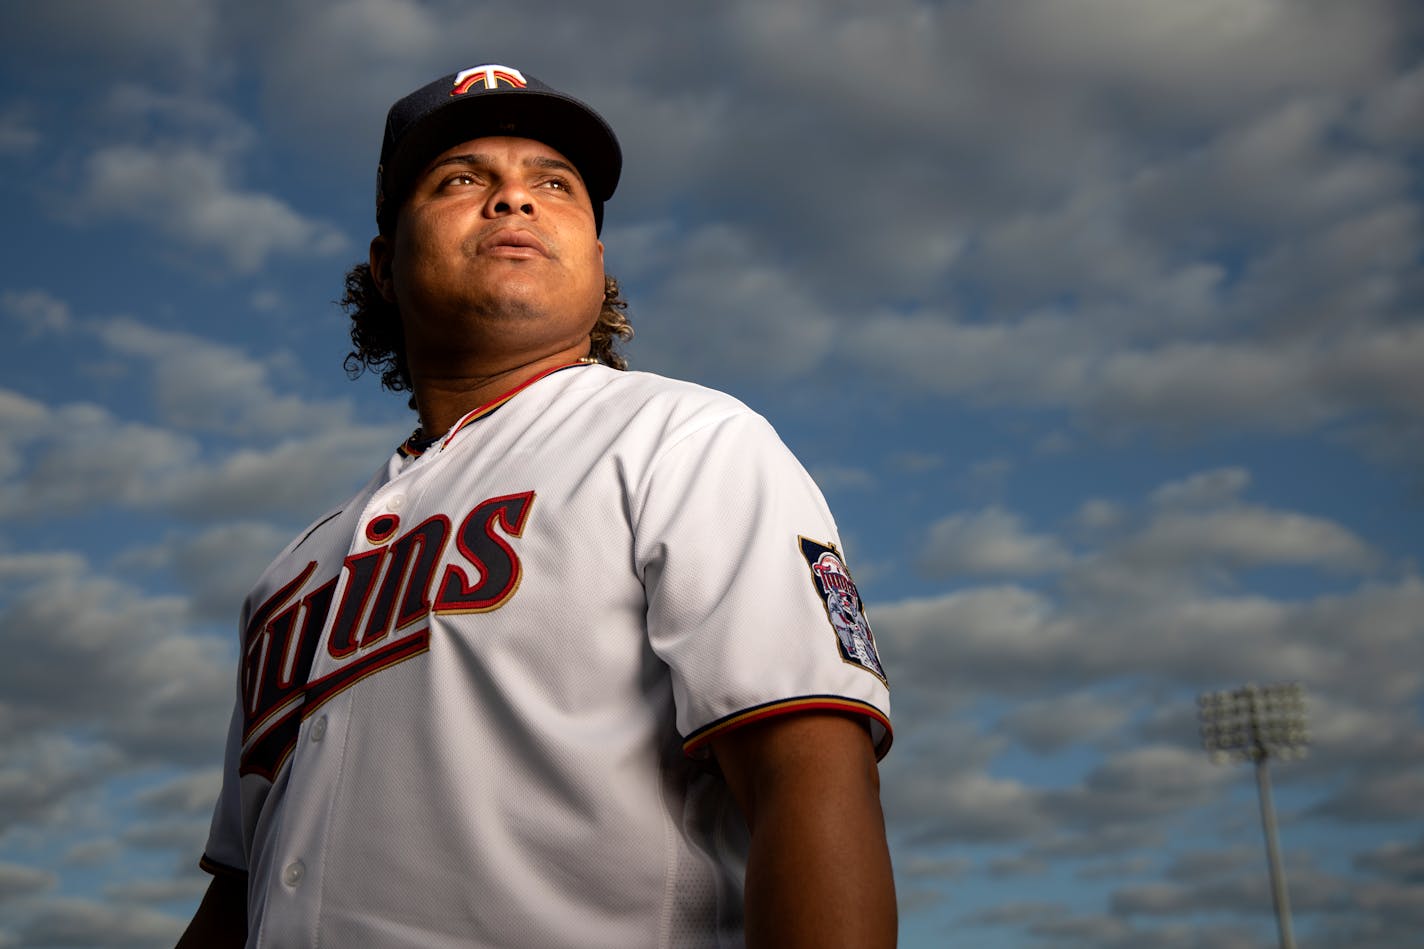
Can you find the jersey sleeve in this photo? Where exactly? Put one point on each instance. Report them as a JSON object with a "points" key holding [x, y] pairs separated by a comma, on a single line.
{"points": [[225, 852], [750, 602]]}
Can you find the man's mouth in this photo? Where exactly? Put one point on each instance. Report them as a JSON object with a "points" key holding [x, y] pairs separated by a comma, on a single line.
{"points": [[514, 243]]}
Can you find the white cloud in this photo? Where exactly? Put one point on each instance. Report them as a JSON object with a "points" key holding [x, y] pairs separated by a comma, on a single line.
{"points": [[1141, 784], [1018, 865], [988, 475], [749, 314], [989, 542], [188, 196], [1351, 725], [1095, 931], [190, 889], [832, 478], [1229, 884], [915, 462], [203, 385], [1138, 608], [1089, 245], [16, 880], [1402, 905], [170, 36], [1392, 109], [1119, 280], [1114, 867], [969, 806], [947, 868], [1393, 796], [1096, 515], [1049, 361], [1009, 640], [1105, 841], [1244, 536], [1202, 58], [1196, 384], [1143, 600], [19, 410], [296, 477], [1041, 358], [267, 301], [190, 114], [17, 136], [133, 676], [42, 777], [23, 569], [1131, 630], [36, 310], [1206, 488], [1400, 860], [180, 834], [189, 794], [1164, 184], [93, 853], [77, 922], [972, 638], [215, 566], [334, 67], [79, 456], [1047, 725], [1017, 912], [1249, 175], [1199, 865]]}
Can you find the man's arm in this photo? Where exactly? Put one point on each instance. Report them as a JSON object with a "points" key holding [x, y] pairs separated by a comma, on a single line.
{"points": [[221, 919], [818, 873]]}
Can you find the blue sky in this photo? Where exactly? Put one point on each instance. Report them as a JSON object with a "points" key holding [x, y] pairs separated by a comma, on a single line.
{"points": [[1098, 321]]}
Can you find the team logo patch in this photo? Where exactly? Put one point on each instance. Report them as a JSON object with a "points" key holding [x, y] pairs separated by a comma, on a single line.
{"points": [[489, 76], [843, 605]]}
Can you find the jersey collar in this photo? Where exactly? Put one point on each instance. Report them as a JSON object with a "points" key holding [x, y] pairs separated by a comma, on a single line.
{"points": [[417, 444]]}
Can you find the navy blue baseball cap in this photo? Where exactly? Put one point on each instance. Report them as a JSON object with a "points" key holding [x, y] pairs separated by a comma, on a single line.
{"points": [[492, 100]]}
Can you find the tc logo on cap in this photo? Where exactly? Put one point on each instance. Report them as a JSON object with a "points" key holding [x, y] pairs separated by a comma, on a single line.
{"points": [[490, 75]]}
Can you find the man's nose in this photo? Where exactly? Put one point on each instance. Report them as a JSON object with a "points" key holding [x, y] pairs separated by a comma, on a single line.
{"points": [[509, 198]]}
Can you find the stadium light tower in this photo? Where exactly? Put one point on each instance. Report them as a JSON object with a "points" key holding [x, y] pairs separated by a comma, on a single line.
{"points": [[1257, 723]]}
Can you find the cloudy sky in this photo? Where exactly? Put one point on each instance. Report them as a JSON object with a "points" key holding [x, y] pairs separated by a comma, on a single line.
{"points": [[1100, 323]]}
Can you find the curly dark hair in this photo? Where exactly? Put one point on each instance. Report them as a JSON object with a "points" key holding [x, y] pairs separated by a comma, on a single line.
{"points": [[380, 343]]}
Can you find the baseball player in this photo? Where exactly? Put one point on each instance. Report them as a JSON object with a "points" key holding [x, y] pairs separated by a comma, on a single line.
{"points": [[583, 664]]}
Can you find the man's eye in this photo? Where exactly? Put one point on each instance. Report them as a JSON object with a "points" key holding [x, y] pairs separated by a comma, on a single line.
{"points": [[458, 179], [557, 184]]}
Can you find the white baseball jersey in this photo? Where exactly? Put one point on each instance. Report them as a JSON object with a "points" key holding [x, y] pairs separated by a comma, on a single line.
{"points": [[471, 701]]}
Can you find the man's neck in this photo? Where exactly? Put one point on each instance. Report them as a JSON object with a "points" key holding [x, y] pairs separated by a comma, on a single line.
{"points": [[443, 399]]}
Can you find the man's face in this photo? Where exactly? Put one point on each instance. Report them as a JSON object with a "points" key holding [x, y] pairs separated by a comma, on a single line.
{"points": [[495, 254]]}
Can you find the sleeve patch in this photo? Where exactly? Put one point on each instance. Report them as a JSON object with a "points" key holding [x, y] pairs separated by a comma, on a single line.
{"points": [[844, 608]]}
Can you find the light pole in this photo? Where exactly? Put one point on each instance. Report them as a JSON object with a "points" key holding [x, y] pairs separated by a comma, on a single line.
{"points": [[1257, 723]]}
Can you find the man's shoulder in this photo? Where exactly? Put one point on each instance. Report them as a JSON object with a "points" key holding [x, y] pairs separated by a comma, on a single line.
{"points": [[651, 414], [639, 391]]}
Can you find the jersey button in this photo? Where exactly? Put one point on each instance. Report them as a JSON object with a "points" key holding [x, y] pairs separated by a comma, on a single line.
{"points": [[395, 502], [294, 872], [318, 729]]}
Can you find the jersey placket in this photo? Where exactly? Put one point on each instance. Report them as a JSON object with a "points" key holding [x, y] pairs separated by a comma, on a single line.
{"points": [[317, 767]]}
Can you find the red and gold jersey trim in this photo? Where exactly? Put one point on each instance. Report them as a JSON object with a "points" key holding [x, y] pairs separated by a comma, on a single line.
{"points": [[696, 743], [409, 449], [209, 865]]}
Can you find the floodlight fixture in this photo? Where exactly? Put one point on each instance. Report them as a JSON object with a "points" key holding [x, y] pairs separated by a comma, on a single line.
{"points": [[1254, 722]]}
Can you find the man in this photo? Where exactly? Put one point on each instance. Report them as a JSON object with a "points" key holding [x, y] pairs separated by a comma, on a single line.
{"points": [[582, 665]]}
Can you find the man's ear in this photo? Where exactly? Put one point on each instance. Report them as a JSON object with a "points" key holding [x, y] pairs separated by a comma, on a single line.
{"points": [[380, 260]]}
